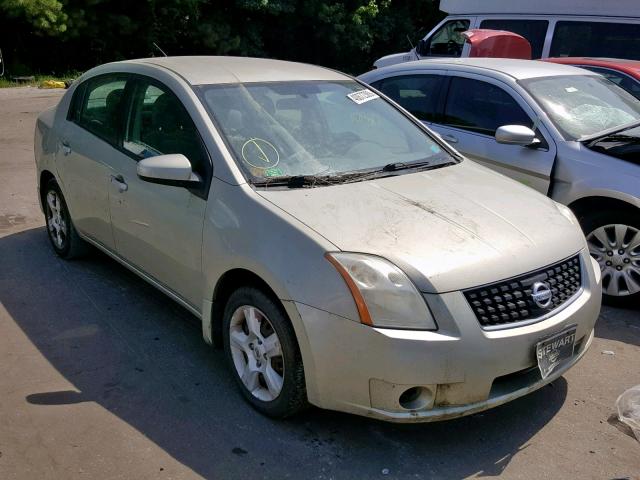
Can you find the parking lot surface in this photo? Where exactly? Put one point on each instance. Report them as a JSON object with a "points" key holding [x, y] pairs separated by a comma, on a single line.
{"points": [[103, 377]]}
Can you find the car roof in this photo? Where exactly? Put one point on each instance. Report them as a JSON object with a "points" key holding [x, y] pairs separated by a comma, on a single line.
{"points": [[199, 70], [517, 69], [631, 67]]}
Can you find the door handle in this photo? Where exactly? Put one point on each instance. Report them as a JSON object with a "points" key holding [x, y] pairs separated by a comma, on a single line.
{"points": [[66, 148], [450, 138], [120, 183]]}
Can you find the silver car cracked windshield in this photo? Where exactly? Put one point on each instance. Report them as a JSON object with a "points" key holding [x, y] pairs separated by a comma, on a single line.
{"points": [[342, 255]]}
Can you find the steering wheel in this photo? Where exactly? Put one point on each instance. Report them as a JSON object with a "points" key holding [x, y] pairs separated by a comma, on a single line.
{"points": [[453, 48]]}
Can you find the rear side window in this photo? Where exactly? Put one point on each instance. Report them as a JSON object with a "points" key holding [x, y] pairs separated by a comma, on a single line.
{"points": [[481, 107], [158, 124], [596, 39], [419, 94], [447, 41], [533, 30], [101, 107]]}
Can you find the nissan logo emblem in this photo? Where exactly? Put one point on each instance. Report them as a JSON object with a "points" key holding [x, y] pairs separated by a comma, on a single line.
{"points": [[541, 294]]}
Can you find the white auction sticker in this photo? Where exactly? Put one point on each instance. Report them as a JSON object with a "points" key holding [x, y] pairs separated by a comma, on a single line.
{"points": [[362, 96]]}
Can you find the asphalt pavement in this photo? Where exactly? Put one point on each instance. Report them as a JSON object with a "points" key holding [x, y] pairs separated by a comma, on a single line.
{"points": [[103, 377]]}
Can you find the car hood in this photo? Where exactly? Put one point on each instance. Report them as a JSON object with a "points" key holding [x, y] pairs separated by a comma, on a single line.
{"points": [[450, 228]]}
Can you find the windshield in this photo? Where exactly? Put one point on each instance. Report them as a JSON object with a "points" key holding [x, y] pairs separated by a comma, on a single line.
{"points": [[583, 105], [285, 129]]}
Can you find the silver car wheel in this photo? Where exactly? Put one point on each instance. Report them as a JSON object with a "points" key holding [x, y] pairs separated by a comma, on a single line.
{"points": [[616, 248], [56, 220], [256, 352]]}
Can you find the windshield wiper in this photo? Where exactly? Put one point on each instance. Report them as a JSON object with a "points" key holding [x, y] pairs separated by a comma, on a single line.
{"points": [[292, 181], [593, 139], [394, 167], [301, 181]]}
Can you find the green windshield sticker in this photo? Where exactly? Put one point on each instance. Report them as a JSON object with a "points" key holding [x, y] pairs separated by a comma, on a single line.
{"points": [[435, 149], [273, 172]]}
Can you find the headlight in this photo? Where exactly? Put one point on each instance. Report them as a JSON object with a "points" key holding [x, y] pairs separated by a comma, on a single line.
{"points": [[566, 211], [384, 295]]}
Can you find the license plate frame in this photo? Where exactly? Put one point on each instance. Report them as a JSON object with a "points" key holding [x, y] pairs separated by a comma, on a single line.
{"points": [[555, 350]]}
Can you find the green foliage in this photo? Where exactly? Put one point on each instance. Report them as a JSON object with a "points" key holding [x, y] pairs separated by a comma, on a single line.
{"points": [[58, 35], [46, 16]]}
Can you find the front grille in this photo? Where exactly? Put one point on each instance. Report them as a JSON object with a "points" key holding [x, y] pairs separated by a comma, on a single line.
{"points": [[510, 301]]}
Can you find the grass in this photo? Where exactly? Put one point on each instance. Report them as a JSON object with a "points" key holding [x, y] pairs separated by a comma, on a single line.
{"points": [[6, 82]]}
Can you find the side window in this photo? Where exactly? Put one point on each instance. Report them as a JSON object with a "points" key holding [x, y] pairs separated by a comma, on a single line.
{"points": [[447, 41], [101, 108], [623, 81], [419, 94], [596, 39], [481, 107], [534, 31], [158, 124]]}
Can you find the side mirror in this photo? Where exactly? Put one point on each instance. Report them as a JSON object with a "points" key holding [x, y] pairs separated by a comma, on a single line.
{"points": [[516, 135], [173, 169], [423, 47]]}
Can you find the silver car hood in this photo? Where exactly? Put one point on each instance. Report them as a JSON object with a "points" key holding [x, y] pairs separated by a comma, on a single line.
{"points": [[451, 228]]}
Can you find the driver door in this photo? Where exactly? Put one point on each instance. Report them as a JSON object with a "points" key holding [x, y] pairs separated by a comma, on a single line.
{"points": [[474, 109], [158, 228]]}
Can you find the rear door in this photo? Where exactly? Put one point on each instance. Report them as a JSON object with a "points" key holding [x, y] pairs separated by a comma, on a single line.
{"points": [[474, 108], [419, 93], [158, 228], [88, 147]]}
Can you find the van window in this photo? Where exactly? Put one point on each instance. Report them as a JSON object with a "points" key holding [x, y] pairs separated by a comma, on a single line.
{"points": [[596, 39], [481, 107], [447, 41], [419, 94], [534, 31]]}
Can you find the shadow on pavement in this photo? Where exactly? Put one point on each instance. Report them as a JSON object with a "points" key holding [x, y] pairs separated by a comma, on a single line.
{"points": [[619, 324], [137, 354]]}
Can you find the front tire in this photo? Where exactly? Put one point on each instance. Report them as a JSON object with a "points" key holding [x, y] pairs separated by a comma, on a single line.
{"points": [[613, 237], [62, 234], [263, 354]]}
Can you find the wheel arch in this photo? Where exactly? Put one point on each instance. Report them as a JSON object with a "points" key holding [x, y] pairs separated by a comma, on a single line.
{"points": [[45, 177], [585, 205], [228, 282]]}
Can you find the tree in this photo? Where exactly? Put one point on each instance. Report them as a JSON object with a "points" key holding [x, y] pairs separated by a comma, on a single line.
{"points": [[46, 16]]}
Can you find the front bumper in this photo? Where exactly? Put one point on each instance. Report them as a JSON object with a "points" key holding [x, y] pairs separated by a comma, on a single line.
{"points": [[463, 368]]}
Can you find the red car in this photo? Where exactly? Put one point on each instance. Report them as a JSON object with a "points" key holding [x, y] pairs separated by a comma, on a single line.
{"points": [[624, 73]]}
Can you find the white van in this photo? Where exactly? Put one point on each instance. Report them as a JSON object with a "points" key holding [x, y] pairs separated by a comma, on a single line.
{"points": [[567, 28]]}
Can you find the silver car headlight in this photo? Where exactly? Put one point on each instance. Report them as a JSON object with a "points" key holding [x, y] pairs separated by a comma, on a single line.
{"points": [[384, 295]]}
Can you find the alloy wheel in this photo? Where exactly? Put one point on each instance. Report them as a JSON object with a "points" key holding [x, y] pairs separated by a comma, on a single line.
{"points": [[256, 352], [616, 248], [56, 220]]}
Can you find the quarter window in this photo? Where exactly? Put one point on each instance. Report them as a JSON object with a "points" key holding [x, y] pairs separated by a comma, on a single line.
{"points": [[101, 109], [596, 39], [419, 94], [481, 107], [158, 124], [534, 31]]}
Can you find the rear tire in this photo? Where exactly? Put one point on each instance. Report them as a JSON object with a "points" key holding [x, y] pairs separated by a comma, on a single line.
{"points": [[263, 354], [613, 237], [60, 229]]}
